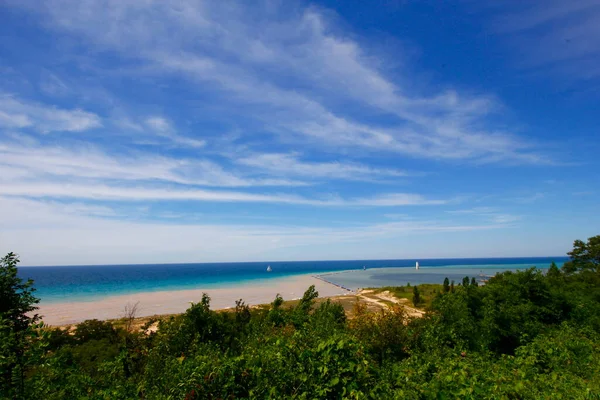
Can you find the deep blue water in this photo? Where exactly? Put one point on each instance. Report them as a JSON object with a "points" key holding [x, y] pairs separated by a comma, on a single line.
{"points": [[87, 283]]}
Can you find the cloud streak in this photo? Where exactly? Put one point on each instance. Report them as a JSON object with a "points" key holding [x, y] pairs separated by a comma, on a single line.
{"points": [[64, 164], [19, 114], [164, 128], [140, 193], [45, 233], [558, 37], [290, 164], [259, 58]]}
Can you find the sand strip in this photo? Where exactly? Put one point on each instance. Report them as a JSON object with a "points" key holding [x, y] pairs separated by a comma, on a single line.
{"points": [[172, 302]]}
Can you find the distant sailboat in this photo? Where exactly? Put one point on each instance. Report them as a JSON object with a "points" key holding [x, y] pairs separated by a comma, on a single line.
{"points": [[364, 267], [417, 265], [269, 268]]}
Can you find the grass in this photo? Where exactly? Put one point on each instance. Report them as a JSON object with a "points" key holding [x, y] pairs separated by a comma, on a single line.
{"points": [[427, 291]]}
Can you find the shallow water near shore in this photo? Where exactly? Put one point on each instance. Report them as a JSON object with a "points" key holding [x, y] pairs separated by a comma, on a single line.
{"points": [[380, 277], [90, 283]]}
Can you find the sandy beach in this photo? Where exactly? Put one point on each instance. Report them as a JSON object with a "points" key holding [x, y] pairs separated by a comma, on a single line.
{"points": [[171, 302]]}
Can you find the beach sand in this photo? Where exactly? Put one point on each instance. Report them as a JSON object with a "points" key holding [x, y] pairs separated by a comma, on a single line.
{"points": [[172, 302]]}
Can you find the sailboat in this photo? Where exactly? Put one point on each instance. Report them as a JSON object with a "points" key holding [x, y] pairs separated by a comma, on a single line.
{"points": [[417, 265], [269, 268]]}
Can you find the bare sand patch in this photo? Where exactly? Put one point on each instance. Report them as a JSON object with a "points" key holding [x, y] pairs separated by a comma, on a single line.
{"points": [[174, 302]]}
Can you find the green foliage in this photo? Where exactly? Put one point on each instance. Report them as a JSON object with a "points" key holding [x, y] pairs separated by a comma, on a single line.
{"points": [[553, 272], [416, 296], [19, 339], [522, 335], [94, 329], [427, 292], [585, 256], [276, 315], [384, 334], [450, 323], [17, 296], [465, 281], [301, 311], [327, 318]]}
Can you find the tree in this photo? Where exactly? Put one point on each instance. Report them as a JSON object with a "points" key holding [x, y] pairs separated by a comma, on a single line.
{"points": [[129, 313], [553, 271], [465, 281], [584, 256], [452, 287], [416, 296], [474, 282], [17, 296], [446, 285], [17, 329], [307, 300]]}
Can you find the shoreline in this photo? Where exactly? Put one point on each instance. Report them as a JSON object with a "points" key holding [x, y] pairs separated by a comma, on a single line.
{"points": [[253, 292], [177, 301]]}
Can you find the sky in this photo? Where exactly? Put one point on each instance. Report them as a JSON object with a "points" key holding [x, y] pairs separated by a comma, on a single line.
{"points": [[206, 131]]}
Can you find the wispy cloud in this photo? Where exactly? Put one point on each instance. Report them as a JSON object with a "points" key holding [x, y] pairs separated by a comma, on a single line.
{"points": [[258, 58], [88, 173], [529, 198], [45, 233], [45, 164], [52, 85], [15, 113], [176, 113], [141, 193], [279, 164], [163, 127], [490, 214], [555, 36]]}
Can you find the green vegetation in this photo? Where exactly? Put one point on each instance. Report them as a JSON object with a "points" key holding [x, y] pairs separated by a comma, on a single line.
{"points": [[416, 296], [522, 335], [427, 293]]}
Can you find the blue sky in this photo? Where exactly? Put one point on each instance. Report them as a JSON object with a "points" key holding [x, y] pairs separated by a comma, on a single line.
{"points": [[192, 131]]}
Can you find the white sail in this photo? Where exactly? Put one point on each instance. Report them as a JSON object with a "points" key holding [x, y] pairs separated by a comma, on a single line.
{"points": [[269, 268], [417, 265]]}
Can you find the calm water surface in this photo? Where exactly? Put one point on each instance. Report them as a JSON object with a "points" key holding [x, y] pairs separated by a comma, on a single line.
{"points": [[88, 283]]}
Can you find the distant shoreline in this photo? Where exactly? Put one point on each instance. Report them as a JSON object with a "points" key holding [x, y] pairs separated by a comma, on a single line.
{"points": [[55, 285], [252, 292]]}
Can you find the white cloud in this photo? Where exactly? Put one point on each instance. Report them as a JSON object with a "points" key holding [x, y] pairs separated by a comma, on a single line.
{"points": [[46, 164], [47, 233], [145, 193], [554, 36], [86, 173], [293, 70], [290, 164], [475, 210], [491, 214], [505, 218], [164, 128], [159, 124], [44, 119]]}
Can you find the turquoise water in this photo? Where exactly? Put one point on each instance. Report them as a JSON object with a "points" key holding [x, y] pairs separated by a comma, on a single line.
{"points": [[89, 283], [380, 277]]}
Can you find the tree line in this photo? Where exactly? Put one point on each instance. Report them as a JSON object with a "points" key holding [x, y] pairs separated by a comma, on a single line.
{"points": [[522, 335]]}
